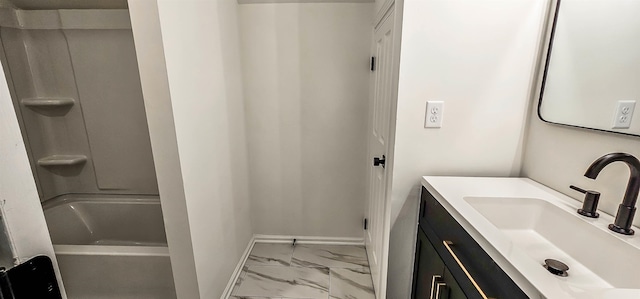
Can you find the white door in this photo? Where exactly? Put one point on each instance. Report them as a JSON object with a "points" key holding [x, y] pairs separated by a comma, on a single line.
{"points": [[376, 238], [22, 215]]}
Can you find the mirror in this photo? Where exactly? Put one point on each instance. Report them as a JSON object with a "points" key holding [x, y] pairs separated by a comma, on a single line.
{"points": [[592, 72]]}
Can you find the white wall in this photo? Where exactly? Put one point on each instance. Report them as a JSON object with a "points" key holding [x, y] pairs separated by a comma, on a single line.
{"points": [[478, 57], [155, 87], [201, 50], [203, 66], [21, 210], [306, 78]]}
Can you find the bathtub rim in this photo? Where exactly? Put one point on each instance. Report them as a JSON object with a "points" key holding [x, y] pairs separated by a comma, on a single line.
{"points": [[99, 198], [111, 250]]}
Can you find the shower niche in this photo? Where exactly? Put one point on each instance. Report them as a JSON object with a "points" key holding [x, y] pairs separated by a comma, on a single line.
{"points": [[73, 76]]}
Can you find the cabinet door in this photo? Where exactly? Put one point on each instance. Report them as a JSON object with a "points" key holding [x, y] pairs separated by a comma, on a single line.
{"points": [[428, 266], [454, 291], [439, 225], [447, 288]]}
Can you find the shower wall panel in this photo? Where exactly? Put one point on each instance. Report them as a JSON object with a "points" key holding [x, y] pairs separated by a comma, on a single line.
{"points": [[74, 81], [39, 66], [106, 69]]}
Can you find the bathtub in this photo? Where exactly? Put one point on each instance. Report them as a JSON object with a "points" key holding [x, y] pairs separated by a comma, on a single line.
{"points": [[110, 246]]}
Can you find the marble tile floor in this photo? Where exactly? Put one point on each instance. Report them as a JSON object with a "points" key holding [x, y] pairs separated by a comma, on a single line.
{"points": [[282, 271]]}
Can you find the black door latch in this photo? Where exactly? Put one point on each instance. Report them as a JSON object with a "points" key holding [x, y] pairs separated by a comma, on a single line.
{"points": [[379, 162]]}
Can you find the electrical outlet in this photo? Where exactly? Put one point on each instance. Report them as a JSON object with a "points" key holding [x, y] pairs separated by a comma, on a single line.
{"points": [[433, 117], [624, 114]]}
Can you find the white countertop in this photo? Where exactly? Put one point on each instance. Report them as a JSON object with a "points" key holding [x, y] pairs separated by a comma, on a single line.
{"points": [[528, 273]]}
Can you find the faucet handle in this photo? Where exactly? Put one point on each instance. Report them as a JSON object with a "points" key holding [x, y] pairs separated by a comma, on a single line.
{"points": [[590, 203], [578, 189]]}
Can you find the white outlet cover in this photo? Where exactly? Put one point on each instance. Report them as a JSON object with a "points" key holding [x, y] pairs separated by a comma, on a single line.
{"points": [[624, 114], [434, 114]]}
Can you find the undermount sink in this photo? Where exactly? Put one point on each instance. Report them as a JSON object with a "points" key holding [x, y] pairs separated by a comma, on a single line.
{"points": [[521, 223], [595, 257]]}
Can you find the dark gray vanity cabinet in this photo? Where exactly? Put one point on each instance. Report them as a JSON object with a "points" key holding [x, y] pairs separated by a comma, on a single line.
{"points": [[449, 264], [431, 278], [428, 267]]}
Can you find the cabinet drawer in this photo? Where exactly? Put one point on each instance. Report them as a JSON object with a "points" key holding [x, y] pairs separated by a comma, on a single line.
{"points": [[440, 226]]}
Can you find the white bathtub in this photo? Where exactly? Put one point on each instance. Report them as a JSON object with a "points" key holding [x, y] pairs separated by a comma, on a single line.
{"points": [[110, 247]]}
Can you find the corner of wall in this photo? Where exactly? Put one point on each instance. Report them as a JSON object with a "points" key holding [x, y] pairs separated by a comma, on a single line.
{"points": [[204, 76], [534, 85], [155, 86]]}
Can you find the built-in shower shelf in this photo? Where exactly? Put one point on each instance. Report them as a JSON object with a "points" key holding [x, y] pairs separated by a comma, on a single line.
{"points": [[47, 102], [62, 160]]}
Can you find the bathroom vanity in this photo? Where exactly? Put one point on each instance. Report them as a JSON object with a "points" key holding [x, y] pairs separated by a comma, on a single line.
{"points": [[450, 264], [491, 238]]}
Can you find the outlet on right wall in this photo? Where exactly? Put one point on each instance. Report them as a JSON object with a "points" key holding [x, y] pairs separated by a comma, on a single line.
{"points": [[557, 156]]}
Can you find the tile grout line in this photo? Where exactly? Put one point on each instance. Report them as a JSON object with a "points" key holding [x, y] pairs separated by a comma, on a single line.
{"points": [[293, 249], [330, 280]]}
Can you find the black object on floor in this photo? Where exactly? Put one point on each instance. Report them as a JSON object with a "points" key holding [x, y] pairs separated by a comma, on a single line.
{"points": [[35, 278]]}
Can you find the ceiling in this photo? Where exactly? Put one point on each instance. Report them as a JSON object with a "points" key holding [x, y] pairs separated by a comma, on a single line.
{"points": [[66, 4]]}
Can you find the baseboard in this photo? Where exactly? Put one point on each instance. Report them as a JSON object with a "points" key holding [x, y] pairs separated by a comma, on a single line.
{"points": [[308, 240], [283, 239], [236, 273], [301, 1]]}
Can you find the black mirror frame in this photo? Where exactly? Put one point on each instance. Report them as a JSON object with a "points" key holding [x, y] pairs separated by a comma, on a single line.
{"points": [[544, 81]]}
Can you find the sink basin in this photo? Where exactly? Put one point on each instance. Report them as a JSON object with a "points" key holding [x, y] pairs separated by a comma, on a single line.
{"points": [[543, 230], [521, 223]]}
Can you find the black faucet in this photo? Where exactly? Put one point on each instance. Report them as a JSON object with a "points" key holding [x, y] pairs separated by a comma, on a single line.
{"points": [[627, 209], [590, 203]]}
